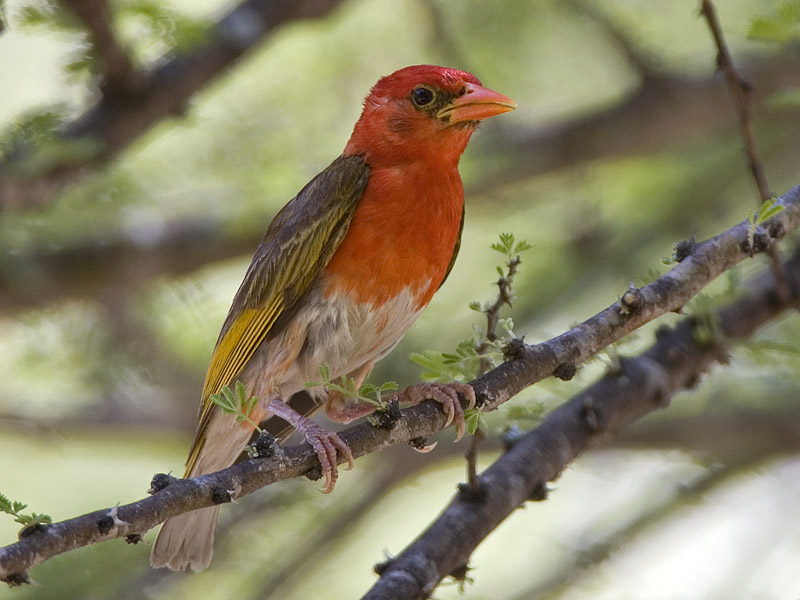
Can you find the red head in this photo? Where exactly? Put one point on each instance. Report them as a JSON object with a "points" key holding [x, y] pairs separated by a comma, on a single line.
{"points": [[422, 112]]}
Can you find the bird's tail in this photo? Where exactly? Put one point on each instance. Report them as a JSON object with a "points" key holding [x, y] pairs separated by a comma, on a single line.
{"points": [[187, 541]]}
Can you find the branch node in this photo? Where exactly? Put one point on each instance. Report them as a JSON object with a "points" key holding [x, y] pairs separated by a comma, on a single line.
{"points": [[631, 301], [32, 528], [684, 249], [17, 579], [565, 371], [264, 446], [134, 538], [422, 444], [380, 567], [539, 492], [460, 572], [514, 349], [220, 495], [105, 524], [160, 481], [474, 492], [386, 418], [589, 417]]}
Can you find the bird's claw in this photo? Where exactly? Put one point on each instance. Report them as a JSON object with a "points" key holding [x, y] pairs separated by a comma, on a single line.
{"points": [[328, 445], [447, 395]]}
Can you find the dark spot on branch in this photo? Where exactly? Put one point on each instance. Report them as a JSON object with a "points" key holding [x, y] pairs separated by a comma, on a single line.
{"points": [[777, 229], [380, 567], [314, 473], [134, 538], [264, 445], [632, 301], [539, 492], [420, 444], [565, 371], [386, 418], [761, 241], [159, 482], [662, 331], [105, 524], [17, 579], [220, 495], [460, 573], [684, 249], [32, 528], [474, 492], [514, 349]]}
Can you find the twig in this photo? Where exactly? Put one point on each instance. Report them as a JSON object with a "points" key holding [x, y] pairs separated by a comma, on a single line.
{"points": [[646, 383], [504, 295], [742, 92], [119, 78], [532, 363]]}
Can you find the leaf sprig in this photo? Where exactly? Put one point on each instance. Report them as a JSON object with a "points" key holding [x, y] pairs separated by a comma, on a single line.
{"points": [[235, 402], [367, 392], [15, 508], [768, 208]]}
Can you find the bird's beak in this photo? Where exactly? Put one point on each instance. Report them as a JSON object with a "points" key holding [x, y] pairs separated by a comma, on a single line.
{"points": [[475, 104]]}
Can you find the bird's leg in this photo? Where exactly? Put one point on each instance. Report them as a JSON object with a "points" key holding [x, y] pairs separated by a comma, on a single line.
{"points": [[327, 444], [447, 395]]}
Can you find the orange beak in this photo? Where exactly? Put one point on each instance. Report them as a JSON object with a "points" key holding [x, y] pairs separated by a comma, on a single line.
{"points": [[475, 104]]}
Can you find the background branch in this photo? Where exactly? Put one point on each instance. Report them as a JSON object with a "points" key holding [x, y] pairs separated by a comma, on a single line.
{"points": [[114, 122], [530, 364]]}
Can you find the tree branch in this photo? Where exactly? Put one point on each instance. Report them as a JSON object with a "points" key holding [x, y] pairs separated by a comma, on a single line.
{"points": [[119, 77], [114, 122], [742, 93], [529, 364], [643, 384]]}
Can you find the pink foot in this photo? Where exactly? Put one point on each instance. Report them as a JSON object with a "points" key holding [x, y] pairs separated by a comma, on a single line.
{"points": [[327, 444], [447, 395]]}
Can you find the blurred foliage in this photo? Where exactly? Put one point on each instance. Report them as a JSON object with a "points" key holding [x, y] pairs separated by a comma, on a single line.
{"points": [[102, 382]]}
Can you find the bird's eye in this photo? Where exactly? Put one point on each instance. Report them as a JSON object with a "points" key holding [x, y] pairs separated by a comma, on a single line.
{"points": [[422, 96]]}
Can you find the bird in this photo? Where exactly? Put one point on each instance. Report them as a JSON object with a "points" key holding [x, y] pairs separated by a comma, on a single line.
{"points": [[342, 272]]}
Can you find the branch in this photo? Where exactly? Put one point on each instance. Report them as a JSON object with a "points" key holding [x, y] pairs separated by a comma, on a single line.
{"points": [[742, 92], [643, 384], [119, 78], [114, 122], [700, 265]]}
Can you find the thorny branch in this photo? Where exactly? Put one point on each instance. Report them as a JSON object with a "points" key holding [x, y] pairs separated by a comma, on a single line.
{"points": [[504, 296], [645, 383], [701, 265]]}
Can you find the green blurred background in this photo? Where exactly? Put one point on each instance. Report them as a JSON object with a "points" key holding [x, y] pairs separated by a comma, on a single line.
{"points": [[624, 142]]}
